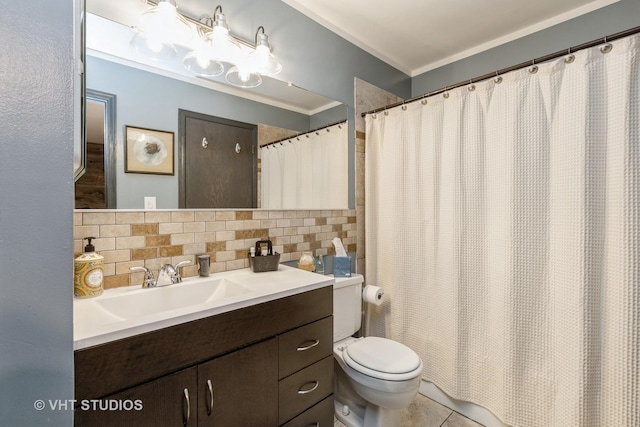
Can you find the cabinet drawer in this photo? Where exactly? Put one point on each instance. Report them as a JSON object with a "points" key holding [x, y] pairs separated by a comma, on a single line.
{"points": [[305, 388], [304, 346], [320, 415]]}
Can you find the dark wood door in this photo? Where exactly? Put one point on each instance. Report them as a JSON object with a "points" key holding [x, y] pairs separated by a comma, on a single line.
{"points": [[217, 162], [159, 403], [240, 388]]}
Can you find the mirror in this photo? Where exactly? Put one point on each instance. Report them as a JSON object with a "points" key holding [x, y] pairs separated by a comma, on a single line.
{"points": [[150, 97]]}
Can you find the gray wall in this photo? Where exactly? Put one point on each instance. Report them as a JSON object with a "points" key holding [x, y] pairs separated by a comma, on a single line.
{"points": [[328, 117], [36, 123], [36, 201], [609, 20]]}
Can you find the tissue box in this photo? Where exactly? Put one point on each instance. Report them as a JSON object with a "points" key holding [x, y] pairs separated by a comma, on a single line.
{"points": [[342, 266]]}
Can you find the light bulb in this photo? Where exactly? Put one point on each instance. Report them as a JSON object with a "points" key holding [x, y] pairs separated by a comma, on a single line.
{"points": [[244, 75], [155, 45], [260, 57], [159, 29]]}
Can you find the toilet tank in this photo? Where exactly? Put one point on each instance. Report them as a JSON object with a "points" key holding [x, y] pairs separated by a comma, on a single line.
{"points": [[347, 306]]}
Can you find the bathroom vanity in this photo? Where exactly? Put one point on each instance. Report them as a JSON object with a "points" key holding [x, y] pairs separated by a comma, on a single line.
{"points": [[261, 357]]}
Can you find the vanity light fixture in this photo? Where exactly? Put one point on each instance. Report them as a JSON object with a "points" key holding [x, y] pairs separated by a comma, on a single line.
{"points": [[213, 47], [259, 62], [159, 29]]}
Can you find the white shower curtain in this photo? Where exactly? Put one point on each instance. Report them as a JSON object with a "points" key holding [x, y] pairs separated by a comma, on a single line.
{"points": [[503, 221], [307, 172]]}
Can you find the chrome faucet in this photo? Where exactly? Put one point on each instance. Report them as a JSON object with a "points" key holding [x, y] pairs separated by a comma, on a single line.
{"points": [[149, 281], [170, 274]]}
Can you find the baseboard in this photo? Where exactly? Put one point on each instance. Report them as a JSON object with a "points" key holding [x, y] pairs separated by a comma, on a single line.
{"points": [[470, 410]]}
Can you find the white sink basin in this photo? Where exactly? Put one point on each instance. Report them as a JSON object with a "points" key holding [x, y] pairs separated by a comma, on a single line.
{"points": [[122, 312], [146, 302]]}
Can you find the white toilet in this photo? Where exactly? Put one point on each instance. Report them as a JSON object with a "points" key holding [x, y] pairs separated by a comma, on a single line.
{"points": [[374, 377]]}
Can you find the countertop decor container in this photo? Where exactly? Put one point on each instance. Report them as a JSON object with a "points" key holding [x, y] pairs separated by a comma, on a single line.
{"points": [[260, 263]]}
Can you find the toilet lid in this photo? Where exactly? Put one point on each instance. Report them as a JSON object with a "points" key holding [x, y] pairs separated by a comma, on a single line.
{"points": [[381, 357]]}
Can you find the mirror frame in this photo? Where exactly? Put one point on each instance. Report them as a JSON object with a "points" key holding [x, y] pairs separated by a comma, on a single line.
{"points": [[109, 102], [80, 145]]}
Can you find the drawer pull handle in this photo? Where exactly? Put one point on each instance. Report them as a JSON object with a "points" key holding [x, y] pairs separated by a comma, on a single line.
{"points": [[186, 407], [210, 394], [307, 347], [314, 386]]}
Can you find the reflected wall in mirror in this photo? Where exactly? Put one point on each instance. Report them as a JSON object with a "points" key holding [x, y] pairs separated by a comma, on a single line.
{"points": [[151, 94]]}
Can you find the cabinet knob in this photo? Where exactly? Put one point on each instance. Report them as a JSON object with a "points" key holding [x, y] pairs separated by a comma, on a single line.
{"points": [[186, 407], [314, 385]]}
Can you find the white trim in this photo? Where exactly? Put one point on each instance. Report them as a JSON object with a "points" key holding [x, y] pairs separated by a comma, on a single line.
{"points": [[574, 13], [348, 37], [558, 19]]}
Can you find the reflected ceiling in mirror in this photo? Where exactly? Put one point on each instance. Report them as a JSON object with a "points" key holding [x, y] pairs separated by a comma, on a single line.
{"points": [[110, 28]]}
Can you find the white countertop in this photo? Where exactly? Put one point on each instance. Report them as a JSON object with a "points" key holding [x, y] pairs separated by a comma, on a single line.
{"points": [[127, 311]]}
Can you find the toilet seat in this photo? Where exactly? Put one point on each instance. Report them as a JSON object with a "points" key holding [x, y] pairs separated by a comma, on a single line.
{"points": [[382, 358]]}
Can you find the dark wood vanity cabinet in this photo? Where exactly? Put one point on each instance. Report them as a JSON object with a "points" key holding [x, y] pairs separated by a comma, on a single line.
{"points": [[167, 401], [240, 389], [269, 364]]}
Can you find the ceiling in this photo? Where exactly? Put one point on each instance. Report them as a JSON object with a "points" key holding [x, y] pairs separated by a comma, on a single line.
{"points": [[416, 36]]}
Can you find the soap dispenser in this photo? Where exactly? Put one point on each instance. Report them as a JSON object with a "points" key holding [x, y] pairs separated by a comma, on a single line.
{"points": [[88, 272]]}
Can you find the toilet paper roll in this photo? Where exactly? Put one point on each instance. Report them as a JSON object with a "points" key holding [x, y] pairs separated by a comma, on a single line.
{"points": [[373, 294]]}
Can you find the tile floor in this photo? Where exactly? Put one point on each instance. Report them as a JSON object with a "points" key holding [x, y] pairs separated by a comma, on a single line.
{"points": [[424, 412]]}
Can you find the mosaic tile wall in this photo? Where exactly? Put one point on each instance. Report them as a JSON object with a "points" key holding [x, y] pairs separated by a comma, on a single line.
{"points": [[153, 238]]}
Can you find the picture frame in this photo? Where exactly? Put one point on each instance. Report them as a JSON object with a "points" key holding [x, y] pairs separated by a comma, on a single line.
{"points": [[149, 151]]}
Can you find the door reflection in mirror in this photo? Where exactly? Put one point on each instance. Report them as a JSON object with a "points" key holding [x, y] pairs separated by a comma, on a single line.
{"points": [[96, 188]]}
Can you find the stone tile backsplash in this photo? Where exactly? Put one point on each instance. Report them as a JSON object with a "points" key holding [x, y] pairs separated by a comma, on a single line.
{"points": [[153, 238]]}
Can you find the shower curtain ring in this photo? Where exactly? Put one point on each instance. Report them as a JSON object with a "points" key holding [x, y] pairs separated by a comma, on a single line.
{"points": [[386, 113], [423, 101], [471, 86], [534, 68], [445, 95], [570, 57], [606, 47], [497, 79]]}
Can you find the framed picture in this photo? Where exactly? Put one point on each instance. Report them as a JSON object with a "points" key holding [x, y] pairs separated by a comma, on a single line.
{"points": [[148, 151]]}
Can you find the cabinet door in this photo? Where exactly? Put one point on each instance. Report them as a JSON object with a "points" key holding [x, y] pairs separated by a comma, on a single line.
{"points": [[240, 388], [168, 401]]}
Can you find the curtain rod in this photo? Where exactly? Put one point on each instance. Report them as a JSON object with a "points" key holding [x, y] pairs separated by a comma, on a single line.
{"points": [[545, 58], [303, 133]]}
